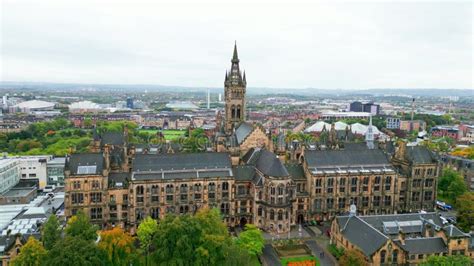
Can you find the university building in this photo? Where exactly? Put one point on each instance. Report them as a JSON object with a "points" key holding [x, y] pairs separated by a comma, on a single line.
{"points": [[247, 176]]}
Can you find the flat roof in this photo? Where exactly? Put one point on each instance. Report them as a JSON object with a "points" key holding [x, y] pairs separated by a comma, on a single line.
{"points": [[14, 192]]}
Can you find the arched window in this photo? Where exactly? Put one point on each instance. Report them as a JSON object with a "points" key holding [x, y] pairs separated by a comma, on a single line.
{"points": [[183, 188], [272, 215], [260, 211], [212, 186], [238, 112], [225, 186], [155, 213], [233, 111], [169, 189], [140, 190], [281, 189], [383, 254], [272, 190], [395, 256], [260, 195], [280, 215], [225, 208]]}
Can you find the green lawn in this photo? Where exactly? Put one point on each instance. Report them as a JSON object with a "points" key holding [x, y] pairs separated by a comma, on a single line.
{"points": [[170, 134]]}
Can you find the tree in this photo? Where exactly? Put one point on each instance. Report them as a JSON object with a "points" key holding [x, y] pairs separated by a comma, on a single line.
{"points": [[456, 188], [353, 257], [456, 260], [118, 246], [145, 232], [51, 232], [79, 226], [76, 251], [31, 254], [465, 211], [251, 240], [447, 177]]}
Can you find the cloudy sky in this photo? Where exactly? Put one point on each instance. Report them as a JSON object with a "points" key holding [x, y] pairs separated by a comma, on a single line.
{"points": [[324, 45]]}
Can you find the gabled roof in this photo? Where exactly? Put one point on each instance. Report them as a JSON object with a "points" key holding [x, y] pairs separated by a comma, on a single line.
{"points": [[112, 138], [419, 155], [86, 164], [426, 245], [242, 132], [244, 172], [266, 162], [296, 171], [361, 234], [453, 231]]}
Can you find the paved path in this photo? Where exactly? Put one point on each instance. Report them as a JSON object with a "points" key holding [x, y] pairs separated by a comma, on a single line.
{"points": [[326, 259], [269, 256]]}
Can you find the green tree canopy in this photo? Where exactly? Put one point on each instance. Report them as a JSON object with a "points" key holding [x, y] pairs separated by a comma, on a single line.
{"points": [[251, 240], [353, 258], [76, 251], [79, 226], [457, 260], [51, 232], [465, 211], [31, 254]]}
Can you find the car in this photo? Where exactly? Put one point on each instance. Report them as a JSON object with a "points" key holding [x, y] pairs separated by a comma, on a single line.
{"points": [[49, 188], [444, 220], [451, 220]]}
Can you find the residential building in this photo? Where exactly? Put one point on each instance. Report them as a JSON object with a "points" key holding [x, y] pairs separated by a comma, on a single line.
{"points": [[393, 123], [412, 125], [463, 165], [446, 131]]}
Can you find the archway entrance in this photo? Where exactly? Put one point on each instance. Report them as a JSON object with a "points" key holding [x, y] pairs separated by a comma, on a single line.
{"points": [[243, 222], [300, 218]]}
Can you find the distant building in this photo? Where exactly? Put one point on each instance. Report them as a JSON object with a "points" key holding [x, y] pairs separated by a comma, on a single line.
{"points": [[445, 131], [130, 102], [35, 167], [463, 165], [84, 107], [343, 115], [393, 123], [31, 106], [412, 125], [9, 173], [55, 170], [372, 108], [399, 239]]}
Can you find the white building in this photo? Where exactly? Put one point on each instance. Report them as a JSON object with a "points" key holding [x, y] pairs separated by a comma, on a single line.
{"points": [[35, 167], [32, 106], [9, 173]]}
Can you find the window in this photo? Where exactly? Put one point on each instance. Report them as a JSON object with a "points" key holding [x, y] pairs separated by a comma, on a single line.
{"points": [[225, 190], [415, 196], [77, 198], [420, 256], [417, 182], [388, 183], [169, 189], [365, 186], [183, 189], [383, 254], [183, 197], [281, 189], [95, 184], [154, 190], [376, 201], [429, 182], [272, 215], [140, 190], [318, 182], [272, 190], [388, 200], [155, 198], [32, 175], [197, 187], [96, 197], [365, 201], [259, 211], [317, 204], [395, 256], [155, 213], [225, 208], [280, 215], [429, 171], [76, 185], [342, 203], [342, 185], [241, 190], [169, 198], [377, 183], [428, 195], [417, 172], [354, 184], [96, 213], [330, 203]]}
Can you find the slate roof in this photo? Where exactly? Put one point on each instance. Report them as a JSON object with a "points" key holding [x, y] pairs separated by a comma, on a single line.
{"points": [[116, 178], [420, 155], [182, 174], [426, 245], [85, 159], [266, 162], [296, 171], [361, 234], [112, 138], [377, 221], [244, 172], [243, 131], [346, 158], [181, 161], [453, 231]]}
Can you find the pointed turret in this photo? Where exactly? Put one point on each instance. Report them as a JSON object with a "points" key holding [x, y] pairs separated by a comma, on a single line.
{"points": [[235, 57], [245, 79], [369, 135]]}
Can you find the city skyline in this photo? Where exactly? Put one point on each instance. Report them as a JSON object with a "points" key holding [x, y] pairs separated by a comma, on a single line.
{"points": [[330, 46]]}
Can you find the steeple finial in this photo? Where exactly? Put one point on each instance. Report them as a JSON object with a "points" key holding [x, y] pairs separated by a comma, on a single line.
{"points": [[235, 57]]}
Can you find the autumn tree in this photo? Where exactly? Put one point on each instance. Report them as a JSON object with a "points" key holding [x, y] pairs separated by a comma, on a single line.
{"points": [[31, 254], [51, 232], [353, 258], [251, 240], [80, 226], [465, 211], [118, 245]]}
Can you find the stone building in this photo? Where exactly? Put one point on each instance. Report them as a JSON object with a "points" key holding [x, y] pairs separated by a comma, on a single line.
{"points": [[399, 239]]}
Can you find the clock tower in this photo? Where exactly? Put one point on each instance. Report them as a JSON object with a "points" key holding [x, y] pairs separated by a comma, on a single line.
{"points": [[235, 85]]}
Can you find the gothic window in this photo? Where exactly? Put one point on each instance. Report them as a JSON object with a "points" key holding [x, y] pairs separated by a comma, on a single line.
{"points": [[96, 213], [233, 111], [183, 189], [388, 183], [140, 190], [280, 215], [95, 184], [342, 185], [330, 203], [154, 189], [395, 256], [238, 112], [376, 201], [272, 215], [225, 208], [318, 182], [383, 254], [428, 195], [225, 190], [76, 185], [281, 189], [77, 198], [429, 182], [388, 200], [169, 189], [317, 204], [96, 197], [260, 211], [155, 213], [365, 201], [342, 203], [354, 184]]}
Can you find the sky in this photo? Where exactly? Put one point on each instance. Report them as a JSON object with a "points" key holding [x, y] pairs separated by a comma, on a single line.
{"points": [[331, 45]]}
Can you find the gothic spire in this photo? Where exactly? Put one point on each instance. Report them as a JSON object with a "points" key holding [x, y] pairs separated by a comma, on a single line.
{"points": [[235, 57], [245, 80]]}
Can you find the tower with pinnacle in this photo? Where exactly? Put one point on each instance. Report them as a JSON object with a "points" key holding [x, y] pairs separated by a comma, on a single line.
{"points": [[234, 92]]}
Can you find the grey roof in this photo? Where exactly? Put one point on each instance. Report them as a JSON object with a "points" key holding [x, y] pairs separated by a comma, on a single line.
{"points": [[296, 171], [266, 162], [345, 158], [419, 155], [183, 174], [115, 179], [113, 138], [426, 245], [377, 221], [85, 159], [361, 234], [242, 132], [243, 172], [181, 161], [453, 231], [356, 146]]}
